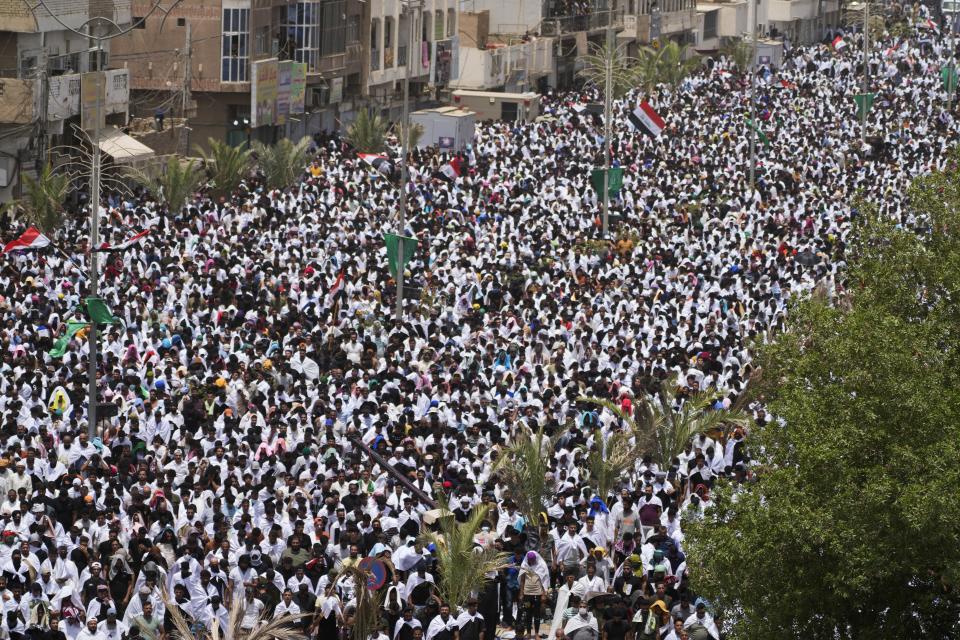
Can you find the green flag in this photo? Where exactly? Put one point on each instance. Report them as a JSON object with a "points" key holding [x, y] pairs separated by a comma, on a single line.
{"points": [[864, 104], [948, 75], [99, 312], [60, 346], [614, 184], [393, 243], [760, 134]]}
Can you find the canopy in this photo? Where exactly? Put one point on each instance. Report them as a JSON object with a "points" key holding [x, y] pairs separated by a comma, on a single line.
{"points": [[121, 147]]}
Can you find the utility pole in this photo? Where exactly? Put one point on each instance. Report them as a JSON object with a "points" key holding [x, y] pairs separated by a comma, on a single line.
{"points": [[753, 101], [952, 73], [607, 117], [93, 278], [187, 71], [44, 81], [866, 74], [404, 140]]}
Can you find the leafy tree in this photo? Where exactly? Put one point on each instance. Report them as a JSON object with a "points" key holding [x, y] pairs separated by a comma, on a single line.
{"points": [[227, 166], [850, 531], [368, 133], [173, 183], [463, 566], [43, 199], [669, 64], [524, 465], [283, 162]]}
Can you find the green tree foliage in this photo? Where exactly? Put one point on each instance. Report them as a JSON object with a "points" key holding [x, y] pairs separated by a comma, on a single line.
{"points": [[738, 51], [850, 531], [283, 162], [463, 566], [368, 133], [43, 199], [227, 166], [524, 465], [171, 183], [622, 67], [669, 64], [663, 430]]}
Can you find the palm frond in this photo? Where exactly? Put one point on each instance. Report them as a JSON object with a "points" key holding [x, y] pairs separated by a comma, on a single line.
{"points": [[283, 162], [612, 58], [524, 465], [366, 618], [463, 565], [227, 166], [43, 198], [172, 183], [368, 133]]}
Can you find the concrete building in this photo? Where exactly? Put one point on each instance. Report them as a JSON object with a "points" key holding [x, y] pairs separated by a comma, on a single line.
{"points": [[647, 20], [796, 21], [41, 60], [208, 48], [521, 45], [434, 25]]}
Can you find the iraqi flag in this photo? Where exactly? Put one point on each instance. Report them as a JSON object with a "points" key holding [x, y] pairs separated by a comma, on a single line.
{"points": [[336, 288], [932, 26], [452, 170], [838, 43], [380, 163], [31, 239], [126, 244], [645, 119]]}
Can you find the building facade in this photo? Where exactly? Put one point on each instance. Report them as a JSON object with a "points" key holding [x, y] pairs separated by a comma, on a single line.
{"points": [[198, 63], [42, 59]]}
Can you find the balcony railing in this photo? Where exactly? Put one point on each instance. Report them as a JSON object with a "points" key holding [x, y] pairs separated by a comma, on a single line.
{"points": [[374, 60], [586, 22]]}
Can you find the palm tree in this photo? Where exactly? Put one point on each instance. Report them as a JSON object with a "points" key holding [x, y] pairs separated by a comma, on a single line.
{"points": [[608, 460], [463, 564], [663, 429], [368, 133], [366, 616], [524, 465], [226, 165], [738, 52], [670, 64], [282, 163], [173, 183], [279, 628], [43, 199]]}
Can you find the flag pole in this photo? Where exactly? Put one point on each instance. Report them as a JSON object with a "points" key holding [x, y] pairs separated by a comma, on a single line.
{"points": [[866, 73], [404, 140], [607, 108], [94, 244], [753, 102]]}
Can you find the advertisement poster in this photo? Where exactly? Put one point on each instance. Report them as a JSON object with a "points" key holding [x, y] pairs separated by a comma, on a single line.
{"points": [[93, 98], [298, 87], [263, 93], [284, 70]]}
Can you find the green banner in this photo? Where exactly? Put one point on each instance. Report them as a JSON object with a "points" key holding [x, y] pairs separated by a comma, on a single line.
{"points": [[948, 75], [864, 104], [99, 312], [760, 134], [614, 184], [60, 346], [393, 243]]}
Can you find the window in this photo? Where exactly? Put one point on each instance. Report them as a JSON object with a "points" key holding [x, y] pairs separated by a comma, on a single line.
{"points": [[388, 42], [451, 22], [353, 29], [181, 22], [425, 26], [438, 25], [261, 41], [303, 33], [334, 28], [235, 54], [375, 44], [710, 24], [139, 23]]}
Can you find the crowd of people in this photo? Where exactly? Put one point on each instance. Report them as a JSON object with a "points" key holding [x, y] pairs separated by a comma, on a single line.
{"points": [[256, 358]]}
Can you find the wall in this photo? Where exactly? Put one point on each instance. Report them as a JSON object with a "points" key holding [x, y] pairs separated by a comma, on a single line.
{"points": [[511, 16]]}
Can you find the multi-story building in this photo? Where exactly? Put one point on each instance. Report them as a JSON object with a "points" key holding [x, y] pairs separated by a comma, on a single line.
{"points": [[210, 48], [42, 58], [646, 21], [518, 45], [420, 34]]}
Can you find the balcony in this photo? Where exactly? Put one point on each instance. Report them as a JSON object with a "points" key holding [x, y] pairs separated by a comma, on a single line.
{"points": [[374, 60], [401, 56], [596, 20]]}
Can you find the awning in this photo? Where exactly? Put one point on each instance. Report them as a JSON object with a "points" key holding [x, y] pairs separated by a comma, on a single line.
{"points": [[122, 148]]}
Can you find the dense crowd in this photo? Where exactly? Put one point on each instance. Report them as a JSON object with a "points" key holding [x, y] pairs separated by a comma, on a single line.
{"points": [[257, 347]]}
